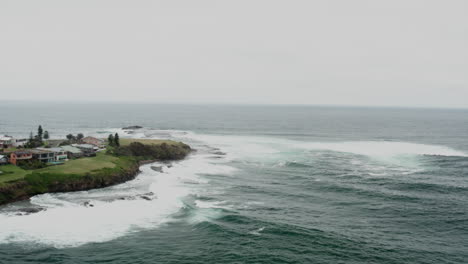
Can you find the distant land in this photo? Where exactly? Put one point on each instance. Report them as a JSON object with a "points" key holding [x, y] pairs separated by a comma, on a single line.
{"points": [[109, 166]]}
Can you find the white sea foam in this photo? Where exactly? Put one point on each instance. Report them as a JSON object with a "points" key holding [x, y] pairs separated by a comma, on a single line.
{"points": [[210, 204], [385, 148], [261, 148], [66, 222], [257, 232]]}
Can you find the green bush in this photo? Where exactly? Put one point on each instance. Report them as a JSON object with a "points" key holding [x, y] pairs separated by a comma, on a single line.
{"points": [[31, 164], [163, 151]]}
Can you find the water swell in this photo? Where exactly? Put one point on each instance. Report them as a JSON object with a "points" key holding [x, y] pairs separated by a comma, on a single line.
{"points": [[100, 215], [192, 190]]}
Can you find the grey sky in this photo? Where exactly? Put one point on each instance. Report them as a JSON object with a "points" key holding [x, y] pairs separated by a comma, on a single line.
{"points": [[398, 52]]}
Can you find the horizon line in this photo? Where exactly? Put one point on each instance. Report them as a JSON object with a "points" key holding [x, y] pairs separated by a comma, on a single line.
{"points": [[233, 104]]}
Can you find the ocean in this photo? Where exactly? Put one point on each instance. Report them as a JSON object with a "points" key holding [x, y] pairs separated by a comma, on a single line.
{"points": [[267, 184]]}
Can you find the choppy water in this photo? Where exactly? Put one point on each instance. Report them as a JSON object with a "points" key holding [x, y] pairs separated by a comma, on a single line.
{"points": [[266, 185]]}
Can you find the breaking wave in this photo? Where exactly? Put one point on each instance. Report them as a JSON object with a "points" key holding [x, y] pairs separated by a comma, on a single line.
{"points": [[155, 196], [73, 219]]}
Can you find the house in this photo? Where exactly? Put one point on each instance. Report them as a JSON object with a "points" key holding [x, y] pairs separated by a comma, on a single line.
{"points": [[18, 156], [72, 152], [59, 153], [6, 141], [93, 141], [87, 149], [3, 159], [19, 142], [43, 155]]}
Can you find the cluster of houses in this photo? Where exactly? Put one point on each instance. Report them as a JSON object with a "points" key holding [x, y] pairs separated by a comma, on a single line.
{"points": [[8, 142], [54, 155]]}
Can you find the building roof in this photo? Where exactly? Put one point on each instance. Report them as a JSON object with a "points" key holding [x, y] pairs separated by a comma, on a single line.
{"points": [[57, 149], [88, 146], [51, 149], [5, 138], [40, 151], [71, 149], [21, 152]]}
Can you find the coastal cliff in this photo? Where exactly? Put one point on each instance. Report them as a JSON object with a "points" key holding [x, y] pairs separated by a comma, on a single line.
{"points": [[127, 163]]}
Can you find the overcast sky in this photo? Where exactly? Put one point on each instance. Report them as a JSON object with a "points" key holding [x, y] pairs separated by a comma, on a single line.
{"points": [[387, 53]]}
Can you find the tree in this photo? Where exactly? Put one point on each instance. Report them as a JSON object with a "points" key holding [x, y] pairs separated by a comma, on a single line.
{"points": [[46, 135], [110, 139], [39, 132], [70, 137], [30, 142], [79, 137], [117, 140]]}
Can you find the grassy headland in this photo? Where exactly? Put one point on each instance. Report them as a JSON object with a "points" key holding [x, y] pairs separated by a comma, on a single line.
{"points": [[113, 166]]}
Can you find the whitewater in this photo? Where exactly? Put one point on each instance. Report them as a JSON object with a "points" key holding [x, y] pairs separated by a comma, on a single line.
{"points": [[120, 210], [265, 185]]}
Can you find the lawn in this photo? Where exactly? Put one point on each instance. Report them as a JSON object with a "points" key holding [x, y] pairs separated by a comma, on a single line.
{"points": [[83, 165], [78, 166], [8, 150], [11, 173]]}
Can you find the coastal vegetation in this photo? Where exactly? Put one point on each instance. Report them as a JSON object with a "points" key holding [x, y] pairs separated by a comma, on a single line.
{"points": [[113, 140], [161, 151], [115, 164], [35, 141], [72, 139]]}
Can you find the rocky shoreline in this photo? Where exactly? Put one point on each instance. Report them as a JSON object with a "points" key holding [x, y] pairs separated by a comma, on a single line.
{"points": [[21, 190]]}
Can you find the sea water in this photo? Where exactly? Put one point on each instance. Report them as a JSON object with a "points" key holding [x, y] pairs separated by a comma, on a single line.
{"points": [[267, 184]]}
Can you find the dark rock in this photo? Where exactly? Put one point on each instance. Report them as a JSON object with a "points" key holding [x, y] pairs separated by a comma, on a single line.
{"points": [[30, 210], [157, 168], [145, 197], [88, 204], [133, 127]]}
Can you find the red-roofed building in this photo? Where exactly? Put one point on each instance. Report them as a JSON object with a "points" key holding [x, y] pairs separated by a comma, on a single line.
{"points": [[20, 155], [93, 141]]}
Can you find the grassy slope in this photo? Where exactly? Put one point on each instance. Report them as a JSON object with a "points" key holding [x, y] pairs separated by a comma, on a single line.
{"points": [[79, 166], [83, 165], [81, 174], [11, 173]]}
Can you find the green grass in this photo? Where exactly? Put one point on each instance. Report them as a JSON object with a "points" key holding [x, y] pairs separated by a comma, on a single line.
{"points": [[83, 165], [12, 173], [78, 166], [8, 150]]}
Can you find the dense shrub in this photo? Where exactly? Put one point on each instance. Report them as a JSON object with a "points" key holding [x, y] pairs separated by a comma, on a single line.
{"points": [[163, 151], [31, 164]]}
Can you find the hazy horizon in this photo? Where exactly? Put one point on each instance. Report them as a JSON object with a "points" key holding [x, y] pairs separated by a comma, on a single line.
{"points": [[320, 53], [84, 102]]}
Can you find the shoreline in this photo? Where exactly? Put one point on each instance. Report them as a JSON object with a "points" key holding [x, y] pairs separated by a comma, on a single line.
{"points": [[20, 190], [126, 168]]}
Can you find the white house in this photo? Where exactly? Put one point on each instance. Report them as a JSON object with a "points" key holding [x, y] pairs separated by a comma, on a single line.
{"points": [[6, 141], [19, 142], [59, 153]]}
